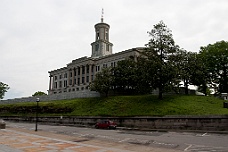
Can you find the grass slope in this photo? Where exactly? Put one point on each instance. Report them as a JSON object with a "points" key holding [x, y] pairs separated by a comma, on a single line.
{"points": [[147, 105]]}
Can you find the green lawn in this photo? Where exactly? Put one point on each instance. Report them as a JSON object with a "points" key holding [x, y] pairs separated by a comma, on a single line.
{"points": [[146, 105]]}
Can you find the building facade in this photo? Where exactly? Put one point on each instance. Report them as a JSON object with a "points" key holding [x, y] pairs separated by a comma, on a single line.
{"points": [[78, 74]]}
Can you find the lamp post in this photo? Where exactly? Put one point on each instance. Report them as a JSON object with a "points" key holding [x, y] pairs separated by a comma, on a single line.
{"points": [[37, 101]]}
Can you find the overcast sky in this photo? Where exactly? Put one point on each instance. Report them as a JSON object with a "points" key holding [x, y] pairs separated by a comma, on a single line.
{"points": [[37, 36]]}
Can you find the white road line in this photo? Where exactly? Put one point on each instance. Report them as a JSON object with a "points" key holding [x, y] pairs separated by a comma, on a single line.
{"points": [[205, 134], [126, 139], [186, 149]]}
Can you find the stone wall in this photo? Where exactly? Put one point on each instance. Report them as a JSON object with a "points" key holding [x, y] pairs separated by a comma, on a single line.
{"points": [[62, 96], [206, 123]]}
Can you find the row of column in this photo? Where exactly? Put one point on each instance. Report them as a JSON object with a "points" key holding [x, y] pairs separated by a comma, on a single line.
{"points": [[72, 77], [75, 70]]}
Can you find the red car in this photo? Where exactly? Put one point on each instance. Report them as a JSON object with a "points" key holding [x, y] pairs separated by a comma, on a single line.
{"points": [[106, 124]]}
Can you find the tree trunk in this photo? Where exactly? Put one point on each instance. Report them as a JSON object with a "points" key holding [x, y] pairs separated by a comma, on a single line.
{"points": [[160, 90], [186, 87], [205, 89]]}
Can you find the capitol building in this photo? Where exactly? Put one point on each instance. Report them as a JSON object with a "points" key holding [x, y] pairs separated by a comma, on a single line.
{"points": [[79, 73]]}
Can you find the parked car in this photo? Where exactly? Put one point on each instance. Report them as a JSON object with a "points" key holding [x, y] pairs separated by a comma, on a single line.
{"points": [[106, 124]]}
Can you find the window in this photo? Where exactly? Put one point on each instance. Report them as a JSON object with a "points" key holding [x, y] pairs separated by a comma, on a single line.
{"points": [[83, 70], [97, 47], [83, 79], [55, 85], [106, 34], [70, 82], [98, 36], [78, 81], [60, 84], [70, 74], [65, 83], [75, 72], [87, 79], [105, 65], [92, 68], [65, 75], [78, 71], [87, 69], [56, 78], [107, 47], [60, 76], [75, 81]]}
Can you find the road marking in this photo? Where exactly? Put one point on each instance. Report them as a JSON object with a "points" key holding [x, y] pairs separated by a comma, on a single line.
{"points": [[186, 149], [204, 148], [126, 139], [205, 134], [161, 143]]}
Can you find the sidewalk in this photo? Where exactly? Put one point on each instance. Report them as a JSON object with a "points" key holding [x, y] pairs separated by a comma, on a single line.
{"points": [[21, 140]]}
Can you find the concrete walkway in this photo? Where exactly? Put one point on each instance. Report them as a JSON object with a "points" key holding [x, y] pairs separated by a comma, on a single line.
{"points": [[21, 140]]}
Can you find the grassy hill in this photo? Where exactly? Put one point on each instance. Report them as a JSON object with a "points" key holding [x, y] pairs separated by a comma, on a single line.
{"points": [[146, 105]]}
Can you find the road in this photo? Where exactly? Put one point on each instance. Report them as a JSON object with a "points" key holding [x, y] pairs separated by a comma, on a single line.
{"points": [[183, 141]]}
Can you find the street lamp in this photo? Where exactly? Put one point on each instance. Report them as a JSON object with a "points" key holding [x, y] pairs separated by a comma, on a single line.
{"points": [[37, 101]]}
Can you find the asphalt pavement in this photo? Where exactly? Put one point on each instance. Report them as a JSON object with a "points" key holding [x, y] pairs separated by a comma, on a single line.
{"points": [[24, 140]]}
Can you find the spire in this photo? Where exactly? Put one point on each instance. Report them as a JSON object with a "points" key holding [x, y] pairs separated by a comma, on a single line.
{"points": [[102, 16]]}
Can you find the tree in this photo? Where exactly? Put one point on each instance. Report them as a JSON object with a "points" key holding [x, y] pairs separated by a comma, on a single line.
{"points": [[103, 81], [124, 77], [161, 49], [199, 75], [3, 89], [186, 66], [215, 57], [39, 93], [145, 74]]}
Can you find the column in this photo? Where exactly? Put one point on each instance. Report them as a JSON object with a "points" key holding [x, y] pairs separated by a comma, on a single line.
{"points": [[50, 86], [53, 82], [90, 65], [80, 74], [76, 75], [73, 77], [68, 74]]}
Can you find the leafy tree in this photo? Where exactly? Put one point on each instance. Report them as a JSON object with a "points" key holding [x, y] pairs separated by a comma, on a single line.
{"points": [[215, 57], [103, 81], [125, 75], [199, 75], [160, 52], [3, 89], [39, 93], [145, 74], [186, 65]]}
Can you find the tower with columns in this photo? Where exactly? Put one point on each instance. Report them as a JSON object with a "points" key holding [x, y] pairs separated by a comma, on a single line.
{"points": [[101, 46]]}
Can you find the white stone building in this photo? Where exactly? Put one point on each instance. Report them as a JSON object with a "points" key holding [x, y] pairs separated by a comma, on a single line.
{"points": [[78, 74]]}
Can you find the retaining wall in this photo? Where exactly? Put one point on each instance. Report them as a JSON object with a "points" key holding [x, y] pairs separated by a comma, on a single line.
{"points": [[208, 123], [60, 96]]}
